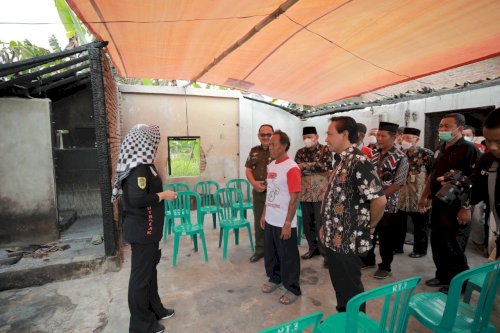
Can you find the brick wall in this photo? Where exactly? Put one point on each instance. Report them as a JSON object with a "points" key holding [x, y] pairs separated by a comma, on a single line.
{"points": [[481, 70]]}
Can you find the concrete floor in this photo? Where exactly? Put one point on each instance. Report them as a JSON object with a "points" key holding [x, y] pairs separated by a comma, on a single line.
{"points": [[218, 296]]}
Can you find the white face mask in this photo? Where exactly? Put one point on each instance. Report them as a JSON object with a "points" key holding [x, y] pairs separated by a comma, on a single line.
{"points": [[468, 138], [406, 144], [372, 139], [308, 142]]}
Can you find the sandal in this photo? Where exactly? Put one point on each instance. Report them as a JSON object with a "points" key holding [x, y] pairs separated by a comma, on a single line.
{"points": [[288, 298], [269, 287]]}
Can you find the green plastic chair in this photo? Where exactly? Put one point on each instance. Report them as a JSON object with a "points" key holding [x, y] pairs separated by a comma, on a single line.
{"points": [[172, 208], [228, 217], [244, 186], [448, 313], [393, 318], [297, 325], [206, 189], [186, 227], [299, 224]]}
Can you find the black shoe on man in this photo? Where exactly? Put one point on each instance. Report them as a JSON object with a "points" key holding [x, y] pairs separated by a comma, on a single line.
{"points": [[309, 254], [256, 257]]}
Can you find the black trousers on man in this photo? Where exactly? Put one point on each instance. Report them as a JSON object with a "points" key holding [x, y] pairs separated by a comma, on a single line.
{"points": [[345, 274], [281, 258], [448, 241], [311, 219], [420, 238], [385, 234], [143, 299]]}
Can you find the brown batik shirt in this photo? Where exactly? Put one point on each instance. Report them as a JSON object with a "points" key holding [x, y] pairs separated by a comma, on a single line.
{"points": [[318, 162], [346, 205], [420, 164]]}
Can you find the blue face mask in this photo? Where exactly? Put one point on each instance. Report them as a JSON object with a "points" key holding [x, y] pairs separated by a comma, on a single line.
{"points": [[446, 136]]}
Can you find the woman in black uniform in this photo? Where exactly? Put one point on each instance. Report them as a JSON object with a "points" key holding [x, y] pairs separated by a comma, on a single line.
{"points": [[140, 186]]}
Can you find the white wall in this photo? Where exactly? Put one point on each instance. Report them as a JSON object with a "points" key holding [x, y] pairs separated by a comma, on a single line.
{"points": [[253, 114], [396, 112]]}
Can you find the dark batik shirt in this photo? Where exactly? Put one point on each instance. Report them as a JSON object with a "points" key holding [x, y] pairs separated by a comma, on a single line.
{"points": [[346, 205], [420, 164], [257, 160], [318, 162], [392, 168]]}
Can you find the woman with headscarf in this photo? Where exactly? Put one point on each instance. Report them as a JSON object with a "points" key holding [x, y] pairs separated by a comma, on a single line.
{"points": [[140, 187]]}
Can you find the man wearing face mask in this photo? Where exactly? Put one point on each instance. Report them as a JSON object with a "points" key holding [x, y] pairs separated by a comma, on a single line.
{"points": [[469, 133], [420, 162], [315, 161], [448, 235], [372, 138]]}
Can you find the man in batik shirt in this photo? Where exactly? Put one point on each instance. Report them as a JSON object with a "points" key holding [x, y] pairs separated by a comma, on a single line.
{"points": [[392, 168], [314, 161], [420, 161], [353, 204]]}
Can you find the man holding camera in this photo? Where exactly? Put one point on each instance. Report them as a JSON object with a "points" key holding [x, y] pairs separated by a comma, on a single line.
{"points": [[486, 184], [449, 234]]}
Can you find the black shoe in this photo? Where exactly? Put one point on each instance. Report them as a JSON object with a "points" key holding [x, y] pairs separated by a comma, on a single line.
{"points": [[434, 283], [256, 257], [399, 251], [169, 314], [309, 254], [416, 255], [159, 328], [444, 289], [365, 266]]}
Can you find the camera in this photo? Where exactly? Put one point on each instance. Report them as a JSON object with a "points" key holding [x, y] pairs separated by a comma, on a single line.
{"points": [[456, 185]]}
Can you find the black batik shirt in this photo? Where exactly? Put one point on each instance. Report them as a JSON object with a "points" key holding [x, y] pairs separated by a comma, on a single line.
{"points": [[346, 205]]}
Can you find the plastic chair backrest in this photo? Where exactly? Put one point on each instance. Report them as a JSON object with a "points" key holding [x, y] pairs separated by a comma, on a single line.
{"points": [[185, 204], [241, 184], [297, 325], [176, 187], [395, 311], [489, 287], [224, 199], [206, 189]]}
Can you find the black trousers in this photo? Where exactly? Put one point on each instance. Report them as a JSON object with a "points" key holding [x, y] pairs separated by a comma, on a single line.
{"points": [[311, 219], [345, 274], [259, 200], [448, 241], [420, 238], [385, 234], [281, 258], [143, 300]]}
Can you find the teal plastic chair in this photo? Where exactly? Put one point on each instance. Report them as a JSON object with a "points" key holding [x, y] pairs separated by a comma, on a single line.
{"points": [[172, 208], [228, 217], [186, 227], [393, 318], [244, 186], [299, 224], [206, 189], [297, 325], [448, 313]]}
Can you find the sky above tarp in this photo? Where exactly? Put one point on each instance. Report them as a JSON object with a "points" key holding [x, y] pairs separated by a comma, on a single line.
{"points": [[304, 51]]}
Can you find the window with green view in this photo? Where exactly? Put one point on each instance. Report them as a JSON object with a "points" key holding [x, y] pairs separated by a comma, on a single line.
{"points": [[184, 156]]}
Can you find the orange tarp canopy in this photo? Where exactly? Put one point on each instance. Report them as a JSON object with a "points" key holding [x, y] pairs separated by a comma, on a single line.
{"points": [[308, 52]]}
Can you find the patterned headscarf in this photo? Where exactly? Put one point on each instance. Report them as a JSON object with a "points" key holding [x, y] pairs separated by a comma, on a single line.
{"points": [[138, 147]]}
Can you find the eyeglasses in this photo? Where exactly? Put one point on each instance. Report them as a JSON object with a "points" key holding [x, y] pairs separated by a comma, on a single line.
{"points": [[265, 135]]}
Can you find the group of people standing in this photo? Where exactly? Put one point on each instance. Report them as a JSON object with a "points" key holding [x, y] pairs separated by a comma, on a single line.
{"points": [[352, 197]]}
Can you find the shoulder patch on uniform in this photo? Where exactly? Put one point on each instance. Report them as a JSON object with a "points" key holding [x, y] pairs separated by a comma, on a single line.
{"points": [[141, 182]]}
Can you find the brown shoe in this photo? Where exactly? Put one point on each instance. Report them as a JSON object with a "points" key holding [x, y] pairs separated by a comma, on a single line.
{"points": [[256, 257]]}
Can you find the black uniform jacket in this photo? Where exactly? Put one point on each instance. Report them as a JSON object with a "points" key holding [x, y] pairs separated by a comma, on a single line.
{"points": [[480, 182], [142, 212]]}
